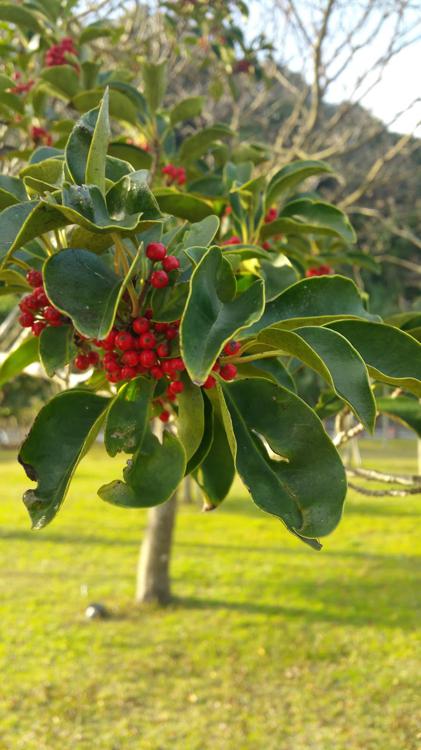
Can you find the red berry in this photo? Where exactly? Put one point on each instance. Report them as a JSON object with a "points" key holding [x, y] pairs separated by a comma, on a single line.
{"points": [[209, 383], [162, 350], [149, 313], [40, 296], [232, 348], [157, 372], [216, 367], [130, 358], [34, 278], [28, 303], [52, 315], [113, 377], [271, 215], [176, 387], [167, 367], [234, 240], [160, 327], [147, 341], [109, 342], [159, 279], [112, 366], [26, 320], [124, 341], [164, 416], [228, 372], [170, 263], [171, 333], [266, 245], [147, 358], [81, 362], [178, 364], [127, 373], [38, 327], [156, 251], [141, 325], [322, 270], [93, 358], [171, 396]]}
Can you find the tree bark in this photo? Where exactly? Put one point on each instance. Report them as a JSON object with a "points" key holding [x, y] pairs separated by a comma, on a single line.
{"points": [[153, 572]]}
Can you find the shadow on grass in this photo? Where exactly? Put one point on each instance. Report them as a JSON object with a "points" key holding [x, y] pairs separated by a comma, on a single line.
{"points": [[382, 604]]}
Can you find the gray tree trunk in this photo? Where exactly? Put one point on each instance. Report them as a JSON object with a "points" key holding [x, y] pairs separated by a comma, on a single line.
{"points": [[153, 572]]}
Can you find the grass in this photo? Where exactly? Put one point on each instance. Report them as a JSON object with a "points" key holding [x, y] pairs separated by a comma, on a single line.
{"points": [[268, 646]]}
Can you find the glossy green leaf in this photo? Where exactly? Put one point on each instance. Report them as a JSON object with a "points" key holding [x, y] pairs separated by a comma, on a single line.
{"points": [[79, 144], [97, 154], [121, 107], [82, 286], [95, 30], [62, 433], [186, 109], [271, 368], [216, 472], [213, 315], [12, 190], [155, 83], [392, 356], [204, 447], [278, 275], [12, 102], [191, 417], [313, 301], [334, 359], [196, 145], [304, 483], [182, 205], [151, 477], [15, 362], [201, 233], [23, 222], [49, 172], [15, 279], [56, 348], [137, 157], [292, 175], [168, 304], [310, 217], [61, 80], [404, 409], [128, 416]]}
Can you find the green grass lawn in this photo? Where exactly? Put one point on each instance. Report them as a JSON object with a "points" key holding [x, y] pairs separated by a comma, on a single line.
{"points": [[268, 646]]}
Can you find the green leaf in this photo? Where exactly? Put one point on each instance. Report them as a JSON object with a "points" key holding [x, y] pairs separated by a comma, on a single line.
{"points": [[216, 472], [191, 417], [13, 13], [82, 286], [121, 106], [186, 109], [151, 477], [169, 303], [61, 80], [334, 359], [137, 157], [95, 30], [292, 175], [271, 369], [206, 442], [155, 83], [12, 190], [305, 485], [278, 275], [62, 433], [128, 416], [182, 205], [201, 233], [79, 144], [196, 145], [25, 354], [213, 315], [12, 101], [56, 348], [313, 301], [392, 356], [404, 409], [97, 154], [48, 172], [23, 222], [310, 217]]}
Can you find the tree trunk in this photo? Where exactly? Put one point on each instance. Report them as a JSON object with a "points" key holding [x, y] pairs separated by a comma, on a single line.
{"points": [[153, 577]]}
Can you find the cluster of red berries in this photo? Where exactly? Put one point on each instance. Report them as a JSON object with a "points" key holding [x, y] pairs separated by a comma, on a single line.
{"points": [[174, 174], [56, 54], [41, 136], [271, 215], [36, 310], [157, 253], [227, 371], [20, 88], [322, 270]]}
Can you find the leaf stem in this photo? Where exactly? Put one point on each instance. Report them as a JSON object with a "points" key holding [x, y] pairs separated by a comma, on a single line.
{"points": [[120, 257]]}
